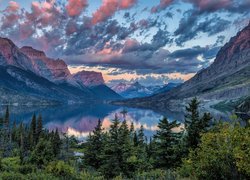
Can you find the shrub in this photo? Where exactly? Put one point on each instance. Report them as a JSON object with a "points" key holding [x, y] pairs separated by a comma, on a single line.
{"points": [[61, 169]]}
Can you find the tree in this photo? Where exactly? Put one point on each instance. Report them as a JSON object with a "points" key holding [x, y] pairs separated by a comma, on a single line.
{"points": [[112, 152], [95, 147], [56, 142], [194, 125], [7, 118], [43, 153], [166, 142], [39, 128], [32, 134], [222, 154]]}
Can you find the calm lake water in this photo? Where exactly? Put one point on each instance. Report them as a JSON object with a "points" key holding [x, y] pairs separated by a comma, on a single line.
{"points": [[79, 120]]}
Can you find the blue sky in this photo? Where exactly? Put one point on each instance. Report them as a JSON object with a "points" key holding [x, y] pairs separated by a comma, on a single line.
{"points": [[150, 41]]}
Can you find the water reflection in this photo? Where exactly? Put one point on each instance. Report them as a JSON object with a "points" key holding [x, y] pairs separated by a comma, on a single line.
{"points": [[79, 120]]}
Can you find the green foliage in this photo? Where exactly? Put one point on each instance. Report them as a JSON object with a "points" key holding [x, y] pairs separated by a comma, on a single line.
{"points": [[165, 142], [43, 153], [194, 125], [222, 154], [61, 169], [10, 164]]}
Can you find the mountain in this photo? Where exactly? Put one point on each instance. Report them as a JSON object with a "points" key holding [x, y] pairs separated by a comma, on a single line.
{"points": [[132, 90], [18, 86], [227, 78], [89, 78], [166, 88], [53, 70], [95, 82], [28, 74]]}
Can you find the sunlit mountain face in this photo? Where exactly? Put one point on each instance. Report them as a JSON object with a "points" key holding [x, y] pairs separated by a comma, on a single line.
{"points": [[152, 42]]}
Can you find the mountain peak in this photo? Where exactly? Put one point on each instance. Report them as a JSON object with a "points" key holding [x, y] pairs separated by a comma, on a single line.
{"points": [[31, 52], [89, 78]]}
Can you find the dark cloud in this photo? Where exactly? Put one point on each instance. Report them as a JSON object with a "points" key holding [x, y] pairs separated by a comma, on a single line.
{"points": [[190, 27]]}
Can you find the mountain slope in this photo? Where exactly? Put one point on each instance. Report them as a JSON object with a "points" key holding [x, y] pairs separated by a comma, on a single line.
{"points": [[227, 78], [31, 89], [132, 90], [29, 73]]}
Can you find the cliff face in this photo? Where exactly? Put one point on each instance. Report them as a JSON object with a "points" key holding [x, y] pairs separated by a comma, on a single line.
{"points": [[54, 70], [89, 78], [11, 55], [227, 78]]}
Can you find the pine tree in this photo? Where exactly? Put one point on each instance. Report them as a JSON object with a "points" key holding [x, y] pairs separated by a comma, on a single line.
{"points": [[192, 122], [141, 136], [39, 128], [126, 149], [194, 125], [166, 141], [56, 143], [112, 152], [32, 134], [7, 118], [95, 147]]}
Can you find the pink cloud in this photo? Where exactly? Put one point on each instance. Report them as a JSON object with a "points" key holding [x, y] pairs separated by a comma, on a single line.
{"points": [[109, 7], [163, 5], [43, 13], [210, 5], [11, 15], [75, 7], [13, 7]]}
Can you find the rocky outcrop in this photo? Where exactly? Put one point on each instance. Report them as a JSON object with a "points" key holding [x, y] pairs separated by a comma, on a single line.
{"points": [[54, 70], [89, 78], [11, 55]]}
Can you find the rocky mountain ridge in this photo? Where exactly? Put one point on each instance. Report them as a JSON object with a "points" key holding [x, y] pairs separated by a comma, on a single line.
{"points": [[20, 63]]}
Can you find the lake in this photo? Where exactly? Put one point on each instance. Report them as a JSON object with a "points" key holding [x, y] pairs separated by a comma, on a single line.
{"points": [[79, 120]]}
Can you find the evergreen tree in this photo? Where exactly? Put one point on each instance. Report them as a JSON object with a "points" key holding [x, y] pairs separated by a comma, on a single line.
{"points": [[94, 147], [32, 135], [126, 149], [39, 128], [56, 143], [112, 152], [166, 141], [194, 125], [7, 118]]}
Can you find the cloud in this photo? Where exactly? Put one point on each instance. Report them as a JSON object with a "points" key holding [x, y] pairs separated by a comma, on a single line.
{"points": [[190, 26], [75, 7], [108, 9], [162, 6], [211, 5], [13, 7]]}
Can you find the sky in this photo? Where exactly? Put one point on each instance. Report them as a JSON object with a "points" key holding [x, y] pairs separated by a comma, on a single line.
{"points": [[150, 41]]}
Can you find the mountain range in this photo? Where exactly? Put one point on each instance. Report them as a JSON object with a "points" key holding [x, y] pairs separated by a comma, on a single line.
{"points": [[28, 76], [135, 90], [227, 79]]}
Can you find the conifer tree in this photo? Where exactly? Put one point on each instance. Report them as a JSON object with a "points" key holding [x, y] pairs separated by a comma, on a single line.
{"points": [[166, 141], [112, 152], [56, 143], [7, 117], [126, 149], [94, 147], [39, 128], [194, 125], [32, 134]]}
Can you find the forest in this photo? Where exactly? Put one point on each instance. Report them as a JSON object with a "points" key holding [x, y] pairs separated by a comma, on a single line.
{"points": [[202, 148]]}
